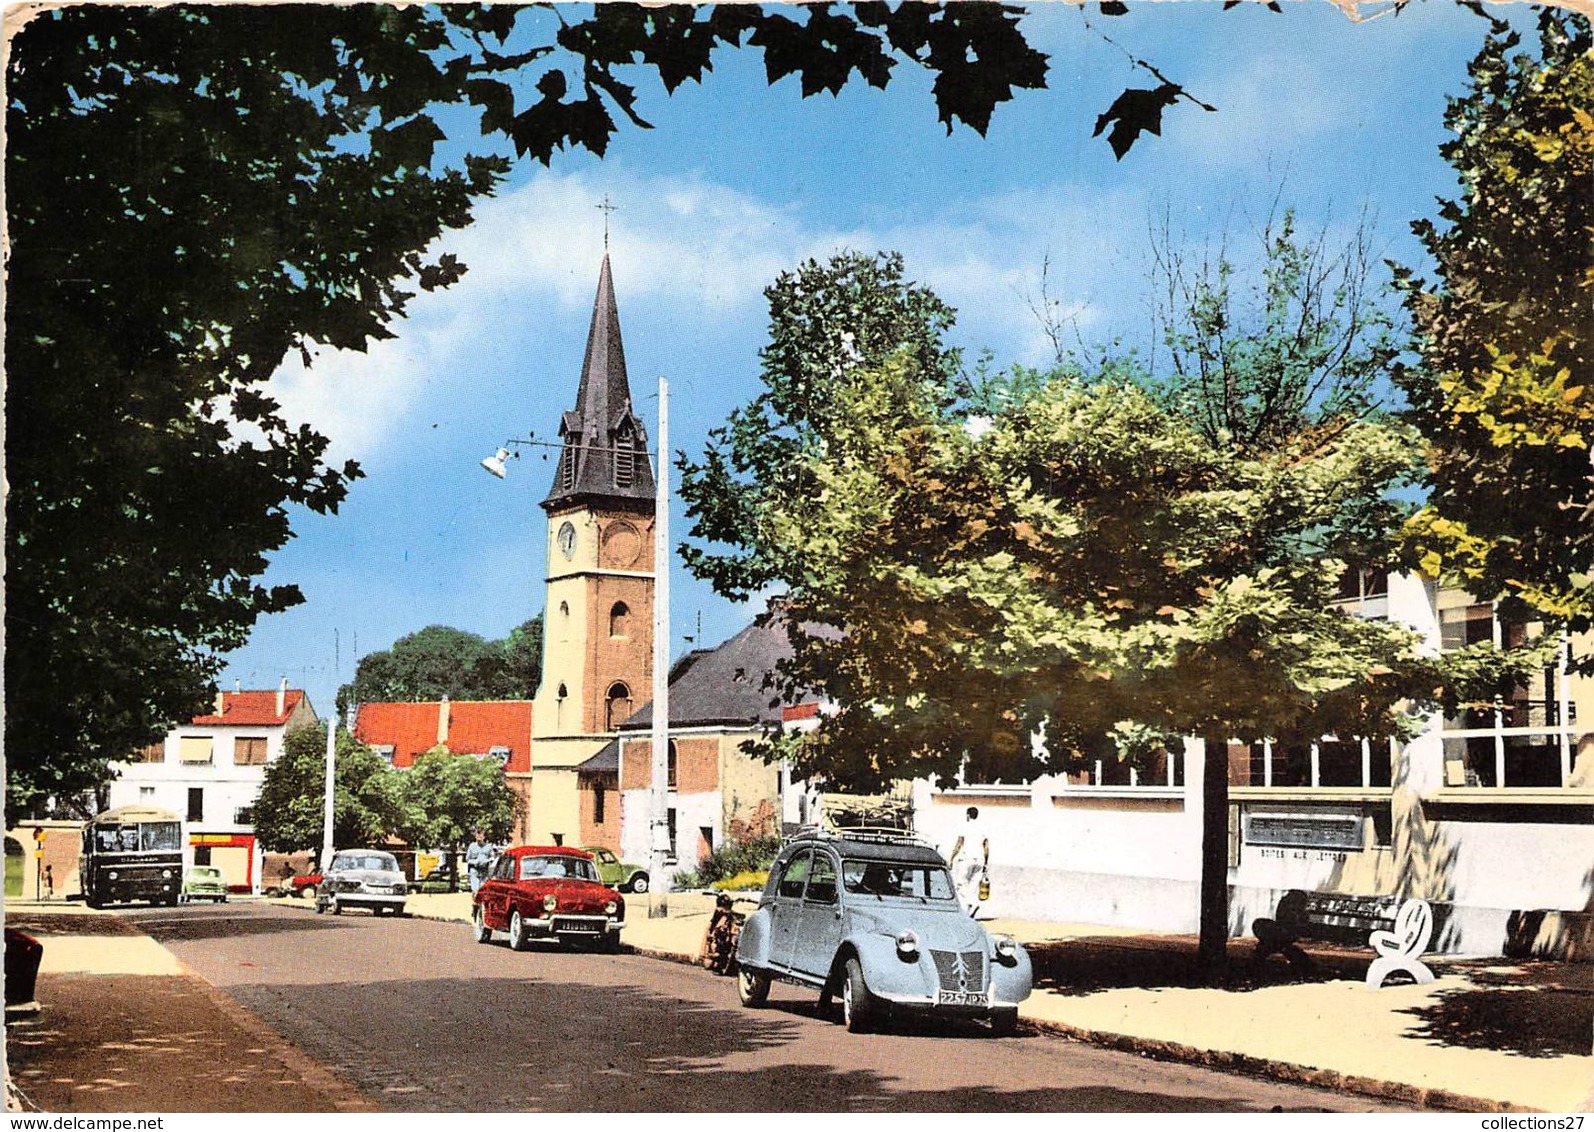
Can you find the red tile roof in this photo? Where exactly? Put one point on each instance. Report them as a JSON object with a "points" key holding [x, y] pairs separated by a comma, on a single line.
{"points": [[475, 727], [251, 709]]}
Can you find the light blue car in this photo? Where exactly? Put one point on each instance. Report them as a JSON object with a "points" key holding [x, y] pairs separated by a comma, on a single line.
{"points": [[873, 917]]}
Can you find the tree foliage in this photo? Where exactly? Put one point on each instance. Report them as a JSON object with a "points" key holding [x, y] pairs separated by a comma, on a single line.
{"points": [[191, 194], [1505, 392], [828, 322], [1256, 356], [446, 797], [367, 795], [438, 661]]}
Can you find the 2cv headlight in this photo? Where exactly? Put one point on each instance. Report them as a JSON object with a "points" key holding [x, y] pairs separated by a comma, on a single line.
{"points": [[908, 947], [1006, 949]]}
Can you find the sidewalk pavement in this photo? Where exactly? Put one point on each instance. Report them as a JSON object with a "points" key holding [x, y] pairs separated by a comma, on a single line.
{"points": [[1484, 1036]]}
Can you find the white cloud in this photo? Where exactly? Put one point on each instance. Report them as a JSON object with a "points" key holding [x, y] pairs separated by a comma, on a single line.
{"points": [[706, 247]]}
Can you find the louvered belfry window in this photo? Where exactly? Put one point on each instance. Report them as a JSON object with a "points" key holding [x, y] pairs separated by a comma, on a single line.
{"points": [[567, 471], [624, 460]]}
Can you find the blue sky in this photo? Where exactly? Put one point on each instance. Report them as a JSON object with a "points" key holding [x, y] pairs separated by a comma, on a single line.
{"points": [[740, 181]]}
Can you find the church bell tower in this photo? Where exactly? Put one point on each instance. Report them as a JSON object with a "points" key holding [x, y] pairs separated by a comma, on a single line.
{"points": [[598, 618]]}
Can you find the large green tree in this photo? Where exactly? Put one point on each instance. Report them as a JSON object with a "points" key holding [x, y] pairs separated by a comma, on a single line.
{"points": [[438, 661], [367, 795], [191, 193], [1091, 560], [447, 797], [1505, 392]]}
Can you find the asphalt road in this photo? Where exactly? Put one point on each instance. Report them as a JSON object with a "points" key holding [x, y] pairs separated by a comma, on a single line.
{"points": [[421, 1018]]}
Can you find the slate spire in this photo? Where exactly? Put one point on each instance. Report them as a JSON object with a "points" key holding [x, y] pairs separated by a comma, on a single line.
{"points": [[604, 456]]}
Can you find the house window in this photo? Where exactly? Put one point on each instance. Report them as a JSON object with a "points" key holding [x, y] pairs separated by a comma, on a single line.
{"points": [[145, 793], [599, 796], [194, 749], [617, 706], [619, 619], [154, 753], [196, 803], [1524, 739], [1350, 763], [670, 781], [244, 815], [1364, 591], [249, 750]]}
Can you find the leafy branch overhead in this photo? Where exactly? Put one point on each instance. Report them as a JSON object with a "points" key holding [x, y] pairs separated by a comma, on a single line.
{"points": [[977, 53]]}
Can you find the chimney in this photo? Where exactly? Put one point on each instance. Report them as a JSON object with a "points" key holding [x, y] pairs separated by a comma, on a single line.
{"points": [[442, 721], [221, 701], [282, 697]]}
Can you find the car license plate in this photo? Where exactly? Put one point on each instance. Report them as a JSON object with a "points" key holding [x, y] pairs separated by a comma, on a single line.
{"points": [[588, 927], [960, 998]]}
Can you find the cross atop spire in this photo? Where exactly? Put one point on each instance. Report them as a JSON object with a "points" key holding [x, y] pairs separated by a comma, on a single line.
{"points": [[605, 454], [606, 208]]}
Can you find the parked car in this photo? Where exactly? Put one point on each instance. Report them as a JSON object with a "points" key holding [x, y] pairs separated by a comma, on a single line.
{"points": [[616, 873], [362, 878], [23, 956], [548, 892], [304, 884], [873, 918], [204, 882]]}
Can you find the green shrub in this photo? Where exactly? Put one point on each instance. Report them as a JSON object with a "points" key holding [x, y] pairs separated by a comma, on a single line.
{"points": [[731, 860], [752, 880]]}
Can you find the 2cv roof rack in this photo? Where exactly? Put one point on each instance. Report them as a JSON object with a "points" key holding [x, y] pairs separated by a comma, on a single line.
{"points": [[874, 835]]}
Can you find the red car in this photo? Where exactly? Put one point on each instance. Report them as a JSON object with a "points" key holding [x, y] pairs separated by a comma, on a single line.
{"points": [[550, 892]]}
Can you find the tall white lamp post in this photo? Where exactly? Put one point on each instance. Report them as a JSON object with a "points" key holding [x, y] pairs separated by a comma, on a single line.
{"points": [[326, 804], [659, 795]]}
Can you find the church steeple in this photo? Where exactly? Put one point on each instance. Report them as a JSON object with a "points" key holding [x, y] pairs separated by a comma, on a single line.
{"points": [[604, 458]]}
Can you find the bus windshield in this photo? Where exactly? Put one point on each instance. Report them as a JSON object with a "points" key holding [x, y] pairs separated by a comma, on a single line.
{"points": [[159, 835]]}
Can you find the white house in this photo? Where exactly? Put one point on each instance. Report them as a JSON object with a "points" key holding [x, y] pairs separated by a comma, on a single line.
{"points": [[209, 772], [1489, 814]]}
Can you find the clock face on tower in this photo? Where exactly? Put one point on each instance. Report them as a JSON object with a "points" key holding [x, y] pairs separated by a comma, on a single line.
{"points": [[567, 539]]}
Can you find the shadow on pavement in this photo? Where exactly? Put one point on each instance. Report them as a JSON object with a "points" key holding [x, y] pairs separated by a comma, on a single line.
{"points": [[1534, 1010], [1088, 965], [625, 1048]]}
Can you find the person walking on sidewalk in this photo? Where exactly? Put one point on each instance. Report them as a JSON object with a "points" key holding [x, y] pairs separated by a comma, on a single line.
{"points": [[969, 861], [479, 858]]}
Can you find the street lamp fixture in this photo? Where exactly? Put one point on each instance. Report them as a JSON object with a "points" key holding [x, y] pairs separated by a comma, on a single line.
{"points": [[495, 463]]}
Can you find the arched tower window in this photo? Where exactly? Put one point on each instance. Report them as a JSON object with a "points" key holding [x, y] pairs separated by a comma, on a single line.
{"points": [[619, 619], [617, 706], [559, 705]]}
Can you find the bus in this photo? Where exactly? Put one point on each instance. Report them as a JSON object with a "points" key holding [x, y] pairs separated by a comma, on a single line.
{"points": [[132, 853]]}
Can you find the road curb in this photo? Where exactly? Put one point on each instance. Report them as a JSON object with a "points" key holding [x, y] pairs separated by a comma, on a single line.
{"points": [[1284, 1071]]}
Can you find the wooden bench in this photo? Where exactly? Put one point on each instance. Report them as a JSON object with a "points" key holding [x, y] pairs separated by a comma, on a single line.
{"points": [[1397, 930]]}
